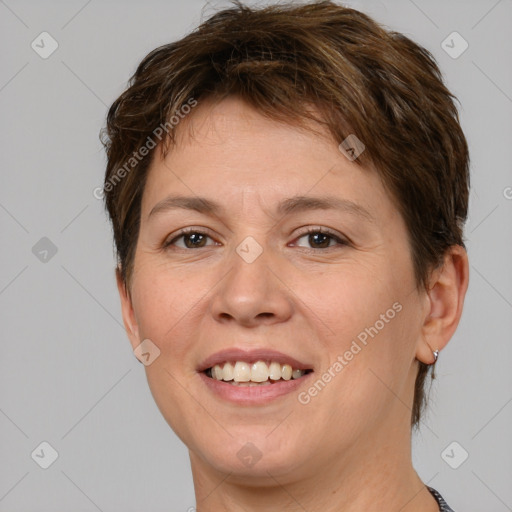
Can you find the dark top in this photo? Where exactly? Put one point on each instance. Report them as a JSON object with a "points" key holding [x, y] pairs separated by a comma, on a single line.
{"points": [[443, 506]]}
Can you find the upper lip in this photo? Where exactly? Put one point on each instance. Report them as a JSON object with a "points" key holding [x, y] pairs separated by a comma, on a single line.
{"points": [[251, 356]]}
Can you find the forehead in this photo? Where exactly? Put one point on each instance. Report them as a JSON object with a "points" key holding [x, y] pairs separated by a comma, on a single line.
{"points": [[227, 149], [232, 121]]}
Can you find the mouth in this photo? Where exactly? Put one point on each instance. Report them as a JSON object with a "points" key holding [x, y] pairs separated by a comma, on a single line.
{"points": [[253, 377], [259, 373]]}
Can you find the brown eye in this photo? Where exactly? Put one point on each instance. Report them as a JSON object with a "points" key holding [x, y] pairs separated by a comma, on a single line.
{"points": [[193, 240], [318, 239], [189, 240]]}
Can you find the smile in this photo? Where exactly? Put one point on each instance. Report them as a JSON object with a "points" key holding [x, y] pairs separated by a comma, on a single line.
{"points": [[259, 373], [253, 377]]}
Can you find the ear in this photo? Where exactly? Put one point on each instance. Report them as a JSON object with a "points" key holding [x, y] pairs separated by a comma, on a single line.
{"points": [[443, 303], [129, 320]]}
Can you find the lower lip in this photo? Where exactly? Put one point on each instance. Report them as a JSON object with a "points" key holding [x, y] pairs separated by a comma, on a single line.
{"points": [[253, 395]]}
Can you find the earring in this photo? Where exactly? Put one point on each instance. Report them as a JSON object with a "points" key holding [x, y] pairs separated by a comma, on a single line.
{"points": [[436, 355]]}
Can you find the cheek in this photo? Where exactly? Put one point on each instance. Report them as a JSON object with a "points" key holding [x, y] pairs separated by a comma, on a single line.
{"points": [[352, 299], [376, 321], [165, 306], [373, 321], [166, 309]]}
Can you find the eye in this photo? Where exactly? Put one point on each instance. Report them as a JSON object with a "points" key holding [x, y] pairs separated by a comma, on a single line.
{"points": [[195, 239], [321, 239], [191, 239]]}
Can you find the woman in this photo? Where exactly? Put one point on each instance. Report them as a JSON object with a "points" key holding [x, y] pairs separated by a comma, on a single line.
{"points": [[288, 187]]}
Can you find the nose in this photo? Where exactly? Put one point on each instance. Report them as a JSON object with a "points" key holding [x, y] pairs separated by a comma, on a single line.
{"points": [[252, 294]]}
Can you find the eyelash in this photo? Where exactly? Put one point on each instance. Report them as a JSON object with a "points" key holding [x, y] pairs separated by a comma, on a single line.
{"points": [[310, 231], [323, 231]]}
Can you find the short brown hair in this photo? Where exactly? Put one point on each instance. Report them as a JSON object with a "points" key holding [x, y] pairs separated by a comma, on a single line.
{"points": [[361, 78]]}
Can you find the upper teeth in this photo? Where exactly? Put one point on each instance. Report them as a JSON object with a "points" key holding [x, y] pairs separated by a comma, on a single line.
{"points": [[241, 371]]}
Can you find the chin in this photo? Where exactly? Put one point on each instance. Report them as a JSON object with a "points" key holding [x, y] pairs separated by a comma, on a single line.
{"points": [[254, 455]]}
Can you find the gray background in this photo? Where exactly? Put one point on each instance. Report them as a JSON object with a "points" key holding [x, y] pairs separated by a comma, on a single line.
{"points": [[68, 376]]}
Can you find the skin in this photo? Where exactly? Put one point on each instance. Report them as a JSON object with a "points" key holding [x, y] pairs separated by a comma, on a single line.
{"points": [[348, 449]]}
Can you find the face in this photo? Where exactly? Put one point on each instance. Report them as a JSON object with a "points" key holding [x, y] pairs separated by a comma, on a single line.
{"points": [[293, 255]]}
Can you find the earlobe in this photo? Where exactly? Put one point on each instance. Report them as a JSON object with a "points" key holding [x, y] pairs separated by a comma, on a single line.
{"points": [[444, 300], [129, 320]]}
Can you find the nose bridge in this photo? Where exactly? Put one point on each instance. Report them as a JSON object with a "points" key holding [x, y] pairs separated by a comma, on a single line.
{"points": [[250, 292]]}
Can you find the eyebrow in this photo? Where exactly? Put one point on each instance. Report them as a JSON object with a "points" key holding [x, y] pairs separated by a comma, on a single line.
{"points": [[286, 207]]}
